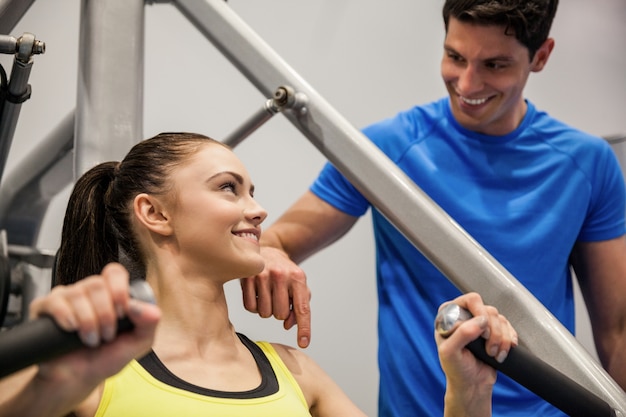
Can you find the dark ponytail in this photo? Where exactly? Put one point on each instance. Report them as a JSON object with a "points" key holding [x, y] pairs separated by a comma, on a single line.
{"points": [[87, 241]]}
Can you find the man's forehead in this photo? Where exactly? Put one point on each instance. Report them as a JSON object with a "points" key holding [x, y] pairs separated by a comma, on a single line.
{"points": [[487, 41]]}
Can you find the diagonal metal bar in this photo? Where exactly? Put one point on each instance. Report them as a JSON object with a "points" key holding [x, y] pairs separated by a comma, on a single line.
{"points": [[11, 12]]}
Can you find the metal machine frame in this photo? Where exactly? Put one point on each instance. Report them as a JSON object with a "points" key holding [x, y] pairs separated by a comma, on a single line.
{"points": [[110, 121]]}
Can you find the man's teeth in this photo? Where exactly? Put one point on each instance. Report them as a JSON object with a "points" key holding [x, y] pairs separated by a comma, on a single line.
{"points": [[250, 235], [473, 101]]}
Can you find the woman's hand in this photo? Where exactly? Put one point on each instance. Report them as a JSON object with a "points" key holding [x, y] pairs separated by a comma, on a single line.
{"points": [[469, 381], [91, 307]]}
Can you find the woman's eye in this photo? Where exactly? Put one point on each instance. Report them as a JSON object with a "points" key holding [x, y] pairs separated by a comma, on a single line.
{"points": [[229, 186]]}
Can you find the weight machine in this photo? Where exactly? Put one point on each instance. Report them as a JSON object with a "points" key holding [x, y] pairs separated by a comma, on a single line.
{"points": [[107, 121]]}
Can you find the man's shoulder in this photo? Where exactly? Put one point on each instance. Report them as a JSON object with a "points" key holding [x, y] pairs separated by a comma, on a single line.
{"points": [[562, 133], [433, 110], [411, 120]]}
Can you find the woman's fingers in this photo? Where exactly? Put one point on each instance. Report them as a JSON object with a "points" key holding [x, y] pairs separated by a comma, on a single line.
{"points": [[90, 307], [498, 333]]}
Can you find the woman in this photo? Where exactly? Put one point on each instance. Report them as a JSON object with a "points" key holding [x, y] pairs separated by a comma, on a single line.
{"points": [[179, 212]]}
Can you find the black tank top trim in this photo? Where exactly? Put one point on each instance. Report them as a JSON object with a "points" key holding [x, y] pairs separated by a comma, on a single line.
{"points": [[268, 386]]}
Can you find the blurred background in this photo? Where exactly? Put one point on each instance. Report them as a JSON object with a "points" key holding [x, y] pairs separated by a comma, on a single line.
{"points": [[369, 59]]}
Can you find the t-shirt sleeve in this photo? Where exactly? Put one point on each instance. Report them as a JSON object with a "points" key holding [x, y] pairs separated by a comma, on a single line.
{"points": [[607, 209], [332, 187]]}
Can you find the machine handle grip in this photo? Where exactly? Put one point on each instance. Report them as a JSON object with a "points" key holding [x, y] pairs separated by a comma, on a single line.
{"points": [[42, 339], [530, 371]]}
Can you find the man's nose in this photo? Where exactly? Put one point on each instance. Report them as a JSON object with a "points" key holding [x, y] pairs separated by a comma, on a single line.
{"points": [[470, 81]]}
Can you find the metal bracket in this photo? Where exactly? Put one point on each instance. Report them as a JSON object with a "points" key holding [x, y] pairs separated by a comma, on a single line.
{"points": [[285, 98]]}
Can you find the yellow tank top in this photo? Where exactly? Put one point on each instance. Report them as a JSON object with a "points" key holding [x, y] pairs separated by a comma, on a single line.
{"points": [[135, 391]]}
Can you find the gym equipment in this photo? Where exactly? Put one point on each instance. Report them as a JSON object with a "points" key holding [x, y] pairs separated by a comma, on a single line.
{"points": [[110, 73]]}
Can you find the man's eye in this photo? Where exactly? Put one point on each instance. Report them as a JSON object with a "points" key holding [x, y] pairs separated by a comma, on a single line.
{"points": [[454, 57], [495, 65]]}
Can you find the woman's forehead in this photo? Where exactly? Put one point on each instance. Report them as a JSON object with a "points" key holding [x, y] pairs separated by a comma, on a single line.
{"points": [[215, 158]]}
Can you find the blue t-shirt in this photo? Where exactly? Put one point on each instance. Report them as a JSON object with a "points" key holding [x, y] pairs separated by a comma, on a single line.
{"points": [[526, 197]]}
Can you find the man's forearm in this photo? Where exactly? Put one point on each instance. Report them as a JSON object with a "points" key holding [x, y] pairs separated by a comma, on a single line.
{"points": [[615, 362]]}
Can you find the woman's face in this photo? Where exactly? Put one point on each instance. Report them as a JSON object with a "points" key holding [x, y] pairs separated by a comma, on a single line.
{"points": [[216, 220]]}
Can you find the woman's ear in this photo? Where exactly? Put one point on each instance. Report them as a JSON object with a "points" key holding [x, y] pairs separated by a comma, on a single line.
{"points": [[151, 212]]}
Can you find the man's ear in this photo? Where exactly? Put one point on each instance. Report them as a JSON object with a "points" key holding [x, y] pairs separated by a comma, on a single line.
{"points": [[542, 55], [150, 211]]}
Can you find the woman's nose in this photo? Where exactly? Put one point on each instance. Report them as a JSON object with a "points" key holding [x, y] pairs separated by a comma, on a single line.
{"points": [[255, 212]]}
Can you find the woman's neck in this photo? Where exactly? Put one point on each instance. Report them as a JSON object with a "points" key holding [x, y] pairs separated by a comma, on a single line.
{"points": [[194, 313]]}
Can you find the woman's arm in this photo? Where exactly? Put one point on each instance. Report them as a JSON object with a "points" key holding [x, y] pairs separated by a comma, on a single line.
{"points": [[469, 381]]}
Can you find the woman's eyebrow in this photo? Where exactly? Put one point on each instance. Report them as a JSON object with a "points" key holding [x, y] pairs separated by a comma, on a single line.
{"points": [[235, 175]]}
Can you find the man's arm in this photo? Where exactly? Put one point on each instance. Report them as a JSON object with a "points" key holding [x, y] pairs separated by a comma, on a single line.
{"points": [[601, 271], [309, 225]]}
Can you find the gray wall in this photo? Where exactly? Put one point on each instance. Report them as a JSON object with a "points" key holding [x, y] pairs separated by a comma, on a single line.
{"points": [[369, 61]]}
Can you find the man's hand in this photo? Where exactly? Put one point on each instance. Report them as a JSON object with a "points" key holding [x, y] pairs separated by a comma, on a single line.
{"points": [[280, 290]]}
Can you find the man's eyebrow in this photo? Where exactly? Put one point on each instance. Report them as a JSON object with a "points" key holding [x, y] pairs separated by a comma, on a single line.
{"points": [[500, 58], [450, 49]]}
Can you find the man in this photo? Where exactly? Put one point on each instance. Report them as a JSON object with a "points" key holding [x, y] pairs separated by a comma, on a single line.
{"points": [[539, 195]]}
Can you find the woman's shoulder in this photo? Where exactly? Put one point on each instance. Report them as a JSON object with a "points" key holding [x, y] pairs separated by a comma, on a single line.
{"points": [[292, 357]]}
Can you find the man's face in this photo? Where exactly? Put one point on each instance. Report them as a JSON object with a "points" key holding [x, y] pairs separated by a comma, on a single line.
{"points": [[485, 72]]}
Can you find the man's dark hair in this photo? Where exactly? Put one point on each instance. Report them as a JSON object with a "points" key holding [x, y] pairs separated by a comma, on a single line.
{"points": [[528, 20]]}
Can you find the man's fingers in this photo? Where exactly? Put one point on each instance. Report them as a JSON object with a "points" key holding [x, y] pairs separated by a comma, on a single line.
{"points": [[301, 308], [248, 288], [280, 290], [290, 321], [264, 301], [282, 297]]}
